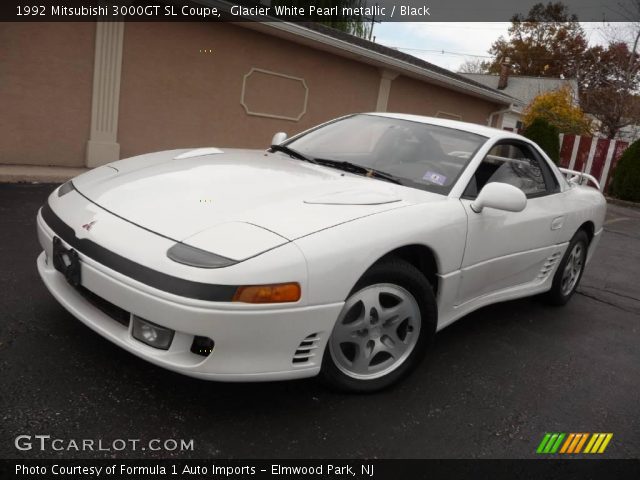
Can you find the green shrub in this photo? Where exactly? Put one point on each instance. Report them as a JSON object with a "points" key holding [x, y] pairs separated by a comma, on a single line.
{"points": [[626, 176], [546, 136]]}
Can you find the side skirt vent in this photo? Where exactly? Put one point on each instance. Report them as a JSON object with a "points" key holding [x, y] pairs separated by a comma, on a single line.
{"points": [[548, 266], [306, 350]]}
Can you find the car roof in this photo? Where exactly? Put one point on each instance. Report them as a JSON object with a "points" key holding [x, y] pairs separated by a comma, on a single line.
{"points": [[456, 124]]}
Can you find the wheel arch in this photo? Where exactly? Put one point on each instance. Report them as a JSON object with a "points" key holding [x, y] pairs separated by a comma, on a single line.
{"points": [[420, 256], [589, 228]]}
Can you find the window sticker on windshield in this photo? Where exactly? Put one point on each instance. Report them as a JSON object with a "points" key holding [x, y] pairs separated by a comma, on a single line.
{"points": [[434, 177]]}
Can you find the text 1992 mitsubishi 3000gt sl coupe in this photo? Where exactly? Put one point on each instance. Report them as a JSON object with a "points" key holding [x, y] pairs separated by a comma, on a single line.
{"points": [[340, 251]]}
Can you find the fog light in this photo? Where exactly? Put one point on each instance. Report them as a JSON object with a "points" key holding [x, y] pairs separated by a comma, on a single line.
{"points": [[202, 346], [152, 334]]}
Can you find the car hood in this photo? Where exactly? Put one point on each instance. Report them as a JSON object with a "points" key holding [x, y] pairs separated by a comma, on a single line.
{"points": [[181, 193]]}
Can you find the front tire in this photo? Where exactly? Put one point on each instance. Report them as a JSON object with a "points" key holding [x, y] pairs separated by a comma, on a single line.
{"points": [[569, 273], [383, 330]]}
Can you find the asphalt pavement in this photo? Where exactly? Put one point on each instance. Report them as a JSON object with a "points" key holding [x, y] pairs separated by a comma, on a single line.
{"points": [[495, 382]]}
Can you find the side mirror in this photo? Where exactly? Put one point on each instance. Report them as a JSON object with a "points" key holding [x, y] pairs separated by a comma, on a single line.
{"points": [[278, 138], [500, 196]]}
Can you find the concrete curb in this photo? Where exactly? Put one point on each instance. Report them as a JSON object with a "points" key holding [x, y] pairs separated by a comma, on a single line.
{"points": [[37, 174], [623, 203]]}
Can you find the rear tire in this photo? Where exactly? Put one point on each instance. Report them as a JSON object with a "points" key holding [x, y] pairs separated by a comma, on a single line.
{"points": [[567, 277], [383, 331]]}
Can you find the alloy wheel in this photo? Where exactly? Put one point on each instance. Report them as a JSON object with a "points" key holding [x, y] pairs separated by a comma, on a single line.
{"points": [[376, 331], [572, 269]]}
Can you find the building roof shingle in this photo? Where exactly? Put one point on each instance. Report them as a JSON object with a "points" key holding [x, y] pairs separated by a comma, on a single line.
{"points": [[525, 88]]}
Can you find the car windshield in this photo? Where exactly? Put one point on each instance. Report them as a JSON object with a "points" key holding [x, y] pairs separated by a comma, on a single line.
{"points": [[416, 154]]}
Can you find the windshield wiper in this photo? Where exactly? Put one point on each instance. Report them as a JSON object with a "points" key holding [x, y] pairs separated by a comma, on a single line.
{"points": [[342, 165], [359, 169], [292, 153]]}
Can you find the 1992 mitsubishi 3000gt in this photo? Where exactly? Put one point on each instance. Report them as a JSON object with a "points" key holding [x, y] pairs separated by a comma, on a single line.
{"points": [[340, 251]]}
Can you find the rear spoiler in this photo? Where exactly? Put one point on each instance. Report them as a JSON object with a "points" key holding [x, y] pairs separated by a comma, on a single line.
{"points": [[579, 178]]}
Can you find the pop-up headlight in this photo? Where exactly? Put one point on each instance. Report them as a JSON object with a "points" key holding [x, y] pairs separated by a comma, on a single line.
{"points": [[66, 188], [195, 257]]}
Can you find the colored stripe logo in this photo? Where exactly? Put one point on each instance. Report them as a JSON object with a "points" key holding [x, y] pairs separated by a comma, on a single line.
{"points": [[572, 443]]}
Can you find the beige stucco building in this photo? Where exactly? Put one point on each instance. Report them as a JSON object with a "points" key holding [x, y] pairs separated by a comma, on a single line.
{"points": [[84, 94]]}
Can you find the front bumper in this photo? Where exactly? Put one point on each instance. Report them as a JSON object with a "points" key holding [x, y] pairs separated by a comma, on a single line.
{"points": [[251, 344]]}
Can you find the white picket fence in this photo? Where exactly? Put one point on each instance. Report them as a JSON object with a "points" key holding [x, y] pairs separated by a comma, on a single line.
{"points": [[592, 155]]}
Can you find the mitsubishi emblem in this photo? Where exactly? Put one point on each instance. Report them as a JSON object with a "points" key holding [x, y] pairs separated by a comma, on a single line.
{"points": [[87, 226]]}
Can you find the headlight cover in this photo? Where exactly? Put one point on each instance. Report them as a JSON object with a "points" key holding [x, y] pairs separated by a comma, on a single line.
{"points": [[195, 257], [66, 188]]}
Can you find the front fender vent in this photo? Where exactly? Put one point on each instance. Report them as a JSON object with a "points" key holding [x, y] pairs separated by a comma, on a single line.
{"points": [[549, 265], [306, 350]]}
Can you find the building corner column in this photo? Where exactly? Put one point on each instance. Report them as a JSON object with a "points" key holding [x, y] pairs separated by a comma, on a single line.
{"points": [[103, 146], [386, 77]]}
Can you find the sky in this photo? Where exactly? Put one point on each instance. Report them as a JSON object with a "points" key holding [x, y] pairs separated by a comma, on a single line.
{"points": [[459, 41]]}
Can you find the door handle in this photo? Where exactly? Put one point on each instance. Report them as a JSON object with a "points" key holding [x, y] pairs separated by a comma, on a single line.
{"points": [[557, 223]]}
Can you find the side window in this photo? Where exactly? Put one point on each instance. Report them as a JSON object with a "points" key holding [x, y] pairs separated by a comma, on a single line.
{"points": [[514, 164]]}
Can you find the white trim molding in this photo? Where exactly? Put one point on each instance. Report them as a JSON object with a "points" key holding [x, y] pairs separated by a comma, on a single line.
{"points": [[450, 116], [607, 165], [574, 151], [274, 115], [103, 146], [499, 114], [386, 77], [592, 153]]}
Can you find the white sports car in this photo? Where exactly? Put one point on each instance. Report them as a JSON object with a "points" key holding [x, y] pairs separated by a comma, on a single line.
{"points": [[340, 251]]}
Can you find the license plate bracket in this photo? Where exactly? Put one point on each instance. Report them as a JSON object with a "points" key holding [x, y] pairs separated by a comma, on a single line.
{"points": [[67, 262]]}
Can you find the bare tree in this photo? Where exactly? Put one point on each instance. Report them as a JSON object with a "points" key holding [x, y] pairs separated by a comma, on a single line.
{"points": [[474, 66], [611, 76], [550, 42], [609, 83]]}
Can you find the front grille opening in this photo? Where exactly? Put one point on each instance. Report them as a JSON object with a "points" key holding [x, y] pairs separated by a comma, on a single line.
{"points": [[306, 350], [118, 314], [202, 346]]}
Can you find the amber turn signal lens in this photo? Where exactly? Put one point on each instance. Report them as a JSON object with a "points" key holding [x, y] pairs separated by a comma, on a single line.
{"points": [[276, 293]]}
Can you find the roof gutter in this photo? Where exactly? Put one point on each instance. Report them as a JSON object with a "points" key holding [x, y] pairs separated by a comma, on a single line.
{"points": [[282, 29], [382, 60]]}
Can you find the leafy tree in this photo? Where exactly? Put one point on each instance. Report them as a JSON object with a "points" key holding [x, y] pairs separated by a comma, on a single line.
{"points": [[558, 109], [626, 176], [547, 42], [546, 136], [356, 25], [608, 85]]}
